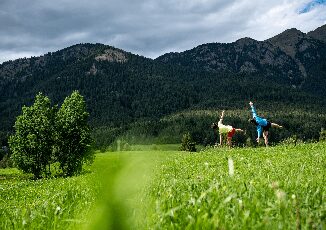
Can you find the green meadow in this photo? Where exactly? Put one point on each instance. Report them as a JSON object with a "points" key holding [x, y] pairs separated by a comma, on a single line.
{"points": [[157, 187]]}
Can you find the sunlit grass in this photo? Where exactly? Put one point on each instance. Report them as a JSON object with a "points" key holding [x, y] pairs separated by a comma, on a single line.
{"points": [[267, 188], [154, 147], [270, 188]]}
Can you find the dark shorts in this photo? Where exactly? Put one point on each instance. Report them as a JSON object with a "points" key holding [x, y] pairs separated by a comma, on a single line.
{"points": [[231, 133], [266, 128]]}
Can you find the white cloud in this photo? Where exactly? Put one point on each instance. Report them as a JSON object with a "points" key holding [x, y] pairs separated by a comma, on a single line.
{"points": [[146, 27], [282, 17], [10, 55]]}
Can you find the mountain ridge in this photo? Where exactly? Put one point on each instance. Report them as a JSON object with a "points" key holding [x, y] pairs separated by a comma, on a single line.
{"points": [[122, 89], [289, 55], [319, 33]]}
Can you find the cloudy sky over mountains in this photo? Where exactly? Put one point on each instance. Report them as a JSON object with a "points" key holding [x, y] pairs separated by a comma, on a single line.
{"points": [[147, 27]]}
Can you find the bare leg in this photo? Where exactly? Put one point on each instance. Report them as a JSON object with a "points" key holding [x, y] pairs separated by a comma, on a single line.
{"points": [[265, 135], [220, 139], [229, 141], [276, 125]]}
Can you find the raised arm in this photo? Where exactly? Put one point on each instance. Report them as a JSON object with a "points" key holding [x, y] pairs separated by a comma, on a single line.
{"points": [[222, 115], [221, 119]]}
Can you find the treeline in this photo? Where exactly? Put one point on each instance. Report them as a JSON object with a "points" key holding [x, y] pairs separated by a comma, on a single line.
{"points": [[303, 124]]}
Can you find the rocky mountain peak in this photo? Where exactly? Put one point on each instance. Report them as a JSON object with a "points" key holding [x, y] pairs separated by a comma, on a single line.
{"points": [[112, 55], [245, 41], [319, 33], [288, 40]]}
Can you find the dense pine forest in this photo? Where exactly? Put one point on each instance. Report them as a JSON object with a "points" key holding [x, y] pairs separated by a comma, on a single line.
{"points": [[141, 100]]}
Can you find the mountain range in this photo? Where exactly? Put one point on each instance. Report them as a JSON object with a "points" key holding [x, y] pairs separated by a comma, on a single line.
{"points": [[291, 57], [122, 89]]}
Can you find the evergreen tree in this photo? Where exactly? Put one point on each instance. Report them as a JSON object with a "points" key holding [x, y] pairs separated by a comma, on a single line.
{"points": [[187, 143]]}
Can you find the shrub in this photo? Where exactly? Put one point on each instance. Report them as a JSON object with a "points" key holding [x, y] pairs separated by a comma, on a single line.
{"points": [[293, 140], [187, 143], [126, 147], [249, 142], [6, 161]]}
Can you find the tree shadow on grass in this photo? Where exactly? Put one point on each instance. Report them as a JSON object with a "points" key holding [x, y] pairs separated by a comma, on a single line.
{"points": [[14, 176]]}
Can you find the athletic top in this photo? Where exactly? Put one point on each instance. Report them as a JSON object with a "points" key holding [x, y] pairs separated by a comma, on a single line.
{"points": [[224, 128], [260, 122]]}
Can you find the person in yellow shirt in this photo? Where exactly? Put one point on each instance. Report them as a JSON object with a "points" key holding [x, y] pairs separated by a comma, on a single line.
{"points": [[225, 129]]}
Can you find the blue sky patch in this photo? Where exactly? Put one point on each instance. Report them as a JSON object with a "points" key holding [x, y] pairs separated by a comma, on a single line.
{"points": [[310, 5]]}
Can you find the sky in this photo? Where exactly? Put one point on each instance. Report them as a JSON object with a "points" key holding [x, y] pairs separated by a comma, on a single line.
{"points": [[147, 27]]}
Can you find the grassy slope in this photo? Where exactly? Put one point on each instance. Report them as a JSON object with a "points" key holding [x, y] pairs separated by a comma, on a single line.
{"points": [[278, 187]]}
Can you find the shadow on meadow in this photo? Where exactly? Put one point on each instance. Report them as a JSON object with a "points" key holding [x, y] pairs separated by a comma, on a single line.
{"points": [[13, 174]]}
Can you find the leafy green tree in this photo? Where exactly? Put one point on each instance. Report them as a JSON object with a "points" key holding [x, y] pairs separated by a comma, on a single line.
{"points": [[187, 143], [73, 138], [32, 142]]}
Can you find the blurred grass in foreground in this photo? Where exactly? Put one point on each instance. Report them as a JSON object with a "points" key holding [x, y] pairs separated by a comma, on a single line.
{"points": [[124, 178]]}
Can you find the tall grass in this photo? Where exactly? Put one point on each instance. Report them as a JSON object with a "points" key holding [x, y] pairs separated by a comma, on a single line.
{"points": [[270, 188], [257, 188]]}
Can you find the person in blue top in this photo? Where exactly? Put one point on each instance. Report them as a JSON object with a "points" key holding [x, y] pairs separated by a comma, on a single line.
{"points": [[262, 124]]}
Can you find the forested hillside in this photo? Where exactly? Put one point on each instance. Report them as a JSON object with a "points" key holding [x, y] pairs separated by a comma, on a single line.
{"points": [[140, 99]]}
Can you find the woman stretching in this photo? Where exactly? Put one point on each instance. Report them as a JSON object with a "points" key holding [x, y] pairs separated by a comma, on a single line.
{"points": [[225, 129], [262, 124]]}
